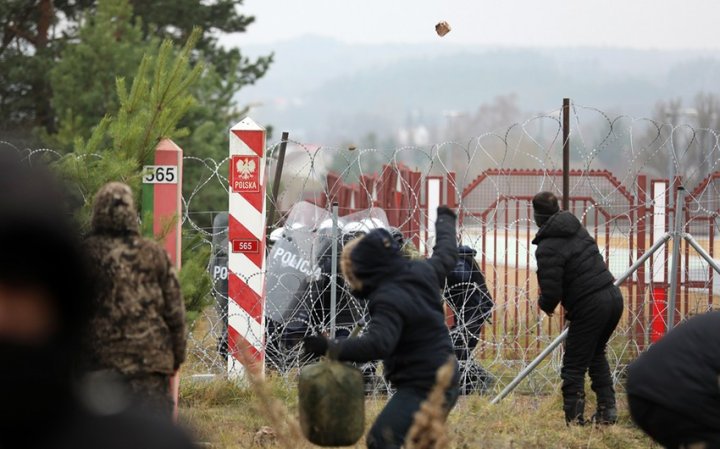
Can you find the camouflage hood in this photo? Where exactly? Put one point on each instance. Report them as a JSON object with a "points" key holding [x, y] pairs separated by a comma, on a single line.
{"points": [[114, 210]]}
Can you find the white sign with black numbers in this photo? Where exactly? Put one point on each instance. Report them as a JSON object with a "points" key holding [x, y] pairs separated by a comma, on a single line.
{"points": [[160, 174]]}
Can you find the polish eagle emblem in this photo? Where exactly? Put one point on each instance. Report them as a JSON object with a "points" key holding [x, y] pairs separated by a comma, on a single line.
{"points": [[245, 168]]}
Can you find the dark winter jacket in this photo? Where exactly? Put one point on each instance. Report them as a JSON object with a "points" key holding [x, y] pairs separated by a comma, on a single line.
{"points": [[570, 267], [682, 371], [138, 326], [467, 290], [407, 324]]}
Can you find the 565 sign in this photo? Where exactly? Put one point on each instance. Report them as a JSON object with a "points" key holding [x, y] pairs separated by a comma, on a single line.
{"points": [[160, 174]]}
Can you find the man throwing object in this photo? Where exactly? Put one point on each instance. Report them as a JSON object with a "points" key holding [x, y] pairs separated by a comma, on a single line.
{"points": [[571, 271]]}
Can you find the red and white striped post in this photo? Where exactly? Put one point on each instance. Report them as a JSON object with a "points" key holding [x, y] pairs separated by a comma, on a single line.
{"points": [[246, 252], [162, 203]]}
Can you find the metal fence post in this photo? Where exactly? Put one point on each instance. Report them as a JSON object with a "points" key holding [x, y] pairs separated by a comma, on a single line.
{"points": [[566, 154], [560, 338], [333, 270], [675, 261], [710, 261], [272, 207]]}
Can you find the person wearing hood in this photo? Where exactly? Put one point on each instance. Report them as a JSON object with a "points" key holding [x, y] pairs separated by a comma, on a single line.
{"points": [[407, 247], [45, 303], [407, 328], [472, 304], [571, 271], [138, 327]]}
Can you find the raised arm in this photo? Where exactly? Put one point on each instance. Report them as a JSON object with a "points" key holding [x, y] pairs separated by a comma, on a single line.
{"points": [[445, 252]]}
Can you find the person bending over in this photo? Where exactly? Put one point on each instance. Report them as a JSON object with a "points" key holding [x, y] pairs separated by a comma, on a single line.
{"points": [[572, 271], [407, 324]]}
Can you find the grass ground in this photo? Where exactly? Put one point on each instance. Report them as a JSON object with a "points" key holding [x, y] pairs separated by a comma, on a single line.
{"points": [[229, 416]]}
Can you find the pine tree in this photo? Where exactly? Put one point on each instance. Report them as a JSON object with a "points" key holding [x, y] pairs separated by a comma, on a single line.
{"points": [[109, 45], [149, 111], [36, 32], [121, 144], [111, 41]]}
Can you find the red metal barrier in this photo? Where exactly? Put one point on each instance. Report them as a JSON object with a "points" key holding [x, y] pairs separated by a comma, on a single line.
{"points": [[496, 219]]}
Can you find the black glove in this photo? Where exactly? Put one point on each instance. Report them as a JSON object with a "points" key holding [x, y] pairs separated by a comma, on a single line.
{"points": [[546, 306], [315, 345], [444, 210]]}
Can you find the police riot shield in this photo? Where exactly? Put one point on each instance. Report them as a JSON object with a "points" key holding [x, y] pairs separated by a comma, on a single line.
{"points": [[298, 274], [293, 260], [219, 271], [290, 263]]}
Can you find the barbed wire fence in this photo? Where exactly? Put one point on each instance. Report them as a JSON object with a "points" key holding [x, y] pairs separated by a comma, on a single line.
{"points": [[624, 174]]}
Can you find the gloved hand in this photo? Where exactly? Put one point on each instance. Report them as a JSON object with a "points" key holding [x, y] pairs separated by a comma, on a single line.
{"points": [[545, 306], [315, 345], [444, 210]]}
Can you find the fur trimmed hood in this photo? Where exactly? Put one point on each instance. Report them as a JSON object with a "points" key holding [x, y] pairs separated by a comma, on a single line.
{"points": [[368, 260]]}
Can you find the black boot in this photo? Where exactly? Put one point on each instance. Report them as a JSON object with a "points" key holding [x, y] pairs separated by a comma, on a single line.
{"points": [[574, 407], [606, 413]]}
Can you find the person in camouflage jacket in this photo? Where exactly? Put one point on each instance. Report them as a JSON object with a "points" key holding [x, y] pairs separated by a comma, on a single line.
{"points": [[138, 323]]}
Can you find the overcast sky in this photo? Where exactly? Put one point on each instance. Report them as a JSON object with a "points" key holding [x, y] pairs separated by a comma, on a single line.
{"points": [[662, 24]]}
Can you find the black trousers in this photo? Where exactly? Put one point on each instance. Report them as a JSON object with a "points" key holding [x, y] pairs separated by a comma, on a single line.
{"points": [[592, 322], [394, 422], [466, 335], [671, 429]]}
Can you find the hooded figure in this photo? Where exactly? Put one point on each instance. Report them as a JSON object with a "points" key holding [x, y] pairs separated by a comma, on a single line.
{"points": [[571, 271], [407, 325], [138, 328], [472, 304], [407, 247], [45, 304], [469, 296]]}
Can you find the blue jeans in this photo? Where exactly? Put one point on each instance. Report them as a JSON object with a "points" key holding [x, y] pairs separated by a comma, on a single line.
{"points": [[394, 422]]}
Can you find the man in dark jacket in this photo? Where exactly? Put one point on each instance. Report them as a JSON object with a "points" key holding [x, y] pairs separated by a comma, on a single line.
{"points": [[407, 328], [673, 388], [471, 301], [468, 295], [44, 308], [572, 271], [138, 327]]}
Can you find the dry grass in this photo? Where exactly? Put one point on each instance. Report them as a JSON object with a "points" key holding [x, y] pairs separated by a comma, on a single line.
{"points": [[229, 416]]}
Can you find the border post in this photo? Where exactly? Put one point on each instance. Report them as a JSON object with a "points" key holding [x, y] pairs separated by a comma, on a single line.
{"points": [[246, 249]]}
